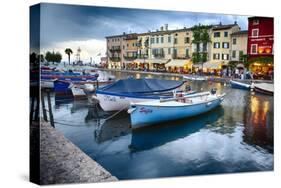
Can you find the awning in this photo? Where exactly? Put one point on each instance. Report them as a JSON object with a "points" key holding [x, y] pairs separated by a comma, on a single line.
{"points": [[240, 65], [141, 61], [179, 63], [209, 65], [158, 61]]}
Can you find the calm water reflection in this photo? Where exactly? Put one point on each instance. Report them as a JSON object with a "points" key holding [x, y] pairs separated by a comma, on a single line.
{"points": [[235, 137]]}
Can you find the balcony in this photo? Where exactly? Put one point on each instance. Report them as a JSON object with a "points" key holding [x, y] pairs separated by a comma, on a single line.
{"points": [[130, 58], [115, 59], [158, 56], [142, 56], [115, 49], [180, 56]]}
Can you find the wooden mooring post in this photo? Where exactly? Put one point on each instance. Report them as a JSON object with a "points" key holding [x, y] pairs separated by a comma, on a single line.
{"points": [[51, 117]]}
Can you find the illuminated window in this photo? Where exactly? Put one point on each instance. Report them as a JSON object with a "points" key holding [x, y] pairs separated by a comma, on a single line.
{"points": [[254, 49]]}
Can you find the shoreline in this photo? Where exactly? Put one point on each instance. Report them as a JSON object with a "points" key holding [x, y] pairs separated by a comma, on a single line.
{"points": [[210, 78]]}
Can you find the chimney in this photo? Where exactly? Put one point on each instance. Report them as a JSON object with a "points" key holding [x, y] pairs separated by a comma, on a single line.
{"points": [[220, 23], [124, 33], [161, 28], [166, 27], [235, 23], [157, 30]]}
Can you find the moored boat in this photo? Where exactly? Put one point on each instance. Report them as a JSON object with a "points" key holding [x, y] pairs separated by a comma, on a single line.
{"points": [[191, 77], [119, 95], [152, 112], [240, 85], [264, 88]]}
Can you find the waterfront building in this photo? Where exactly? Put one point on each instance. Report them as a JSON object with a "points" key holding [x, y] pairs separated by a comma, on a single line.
{"points": [[130, 49], [260, 45], [238, 45], [181, 51], [114, 51], [220, 51]]}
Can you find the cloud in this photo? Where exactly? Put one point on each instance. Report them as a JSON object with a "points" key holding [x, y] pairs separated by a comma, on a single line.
{"points": [[89, 49]]}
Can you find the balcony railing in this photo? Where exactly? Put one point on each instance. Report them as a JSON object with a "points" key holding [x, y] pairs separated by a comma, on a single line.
{"points": [[112, 50], [142, 56], [158, 56], [115, 59], [130, 58], [180, 56]]}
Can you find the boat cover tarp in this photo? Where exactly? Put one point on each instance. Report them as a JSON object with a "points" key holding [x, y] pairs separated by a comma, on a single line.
{"points": [[142, 85]]}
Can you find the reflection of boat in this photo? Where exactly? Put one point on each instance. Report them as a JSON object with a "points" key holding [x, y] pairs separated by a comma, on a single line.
{"points": [[240, 85], [198, 78], [163, 133], [151, 112], [264, 88], [113, 128], [117, 96]]}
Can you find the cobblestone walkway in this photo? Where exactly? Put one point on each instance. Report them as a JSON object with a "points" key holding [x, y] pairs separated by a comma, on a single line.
{"points": [[62, 162]]}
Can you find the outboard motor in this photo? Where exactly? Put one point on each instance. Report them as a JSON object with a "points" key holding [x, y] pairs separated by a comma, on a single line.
{"points": [[213, 91], [188, 88]]}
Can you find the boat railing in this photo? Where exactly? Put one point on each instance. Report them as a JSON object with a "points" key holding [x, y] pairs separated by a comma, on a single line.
{"points": [[183, 98]]}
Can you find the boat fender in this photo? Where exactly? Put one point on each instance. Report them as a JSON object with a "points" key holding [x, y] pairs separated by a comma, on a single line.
{"points": [[209, 103], [131, 110]]}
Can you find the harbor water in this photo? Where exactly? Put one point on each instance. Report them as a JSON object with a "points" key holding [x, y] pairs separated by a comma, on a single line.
{"points": [[235, 137]]}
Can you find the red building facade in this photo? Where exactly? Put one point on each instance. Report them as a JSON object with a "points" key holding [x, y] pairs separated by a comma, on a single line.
{"points": [[260, 42]]}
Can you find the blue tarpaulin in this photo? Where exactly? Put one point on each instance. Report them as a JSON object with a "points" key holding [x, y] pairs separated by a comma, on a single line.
{"points": [[143, 85]]}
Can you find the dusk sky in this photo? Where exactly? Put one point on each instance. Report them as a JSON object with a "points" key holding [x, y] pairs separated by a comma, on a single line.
{"points": [[71, 26]]}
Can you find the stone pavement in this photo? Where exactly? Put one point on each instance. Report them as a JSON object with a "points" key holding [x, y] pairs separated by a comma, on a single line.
{"points": [[63, 162]]}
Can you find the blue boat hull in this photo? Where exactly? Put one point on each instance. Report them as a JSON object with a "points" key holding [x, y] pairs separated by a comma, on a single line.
{"points": [[236, 85], [62, 88], [145, 115]]}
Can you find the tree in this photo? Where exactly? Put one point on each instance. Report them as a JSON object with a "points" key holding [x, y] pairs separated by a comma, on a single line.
{"points": [[53, 57], [200, 36], [68, 51]]}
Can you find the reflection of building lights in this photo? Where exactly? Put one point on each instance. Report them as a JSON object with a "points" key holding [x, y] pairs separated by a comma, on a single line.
{"points": [[254, 104]]}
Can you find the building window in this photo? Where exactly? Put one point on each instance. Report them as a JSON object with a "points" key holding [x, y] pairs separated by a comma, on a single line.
{"points": [[175, 52], [123, 47], [152, 40], [127, 45], [225, 56], [225, 34], [216, 56], [175, 41], [233, 54], [176, 34], [186, 40], [254, 49], [157, 40], [216, 45], [255, 32], [234, 41], [169, 39], [241, 53], [256, 22], [187, 33], [169, 50], [217, 34], [225, 44], [162, 39], [186, 52]]}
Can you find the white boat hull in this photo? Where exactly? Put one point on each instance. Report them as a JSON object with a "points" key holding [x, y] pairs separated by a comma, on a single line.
{"points": [[116, 103], [78, 92]]}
